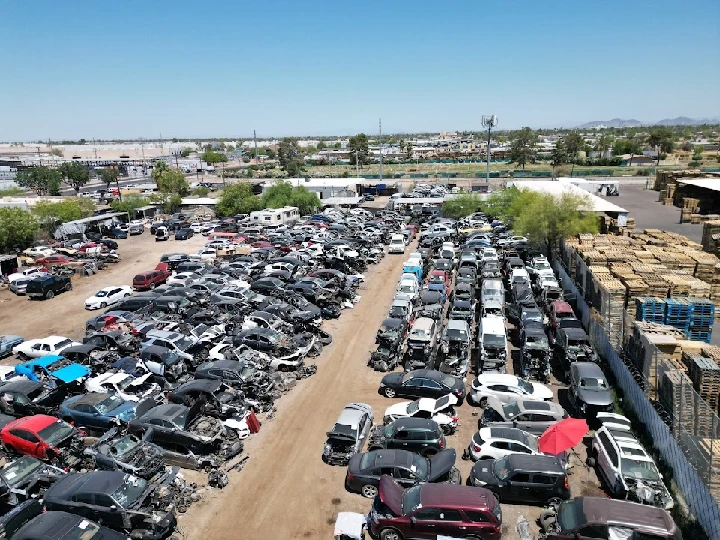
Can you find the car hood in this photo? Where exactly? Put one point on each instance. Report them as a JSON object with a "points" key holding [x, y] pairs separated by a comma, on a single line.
{"points": [[398, 409], [391, 494], [441, 463], [483, 471], [541, 392], [595, 397], [392, 379], [71, 373]]}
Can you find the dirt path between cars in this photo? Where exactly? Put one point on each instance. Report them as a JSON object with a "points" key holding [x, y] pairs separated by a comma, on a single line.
{"points": [[285, 490]]}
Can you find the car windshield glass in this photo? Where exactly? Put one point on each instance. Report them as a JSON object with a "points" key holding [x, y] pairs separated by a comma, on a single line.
{"points": [[644, 470], [511, 410], [56, 432], [129, 491], [413, 407], [456, 333], [108, 404], [448, 381], [576, 343], [342, 429], [183, 343], [525, 386], [531, 442], [125, 445], [407, 288], [501, 469], [593, 383], [570, 515], [411, 499], [20, 469], [420, 466], [388, 431], [63, 343], [101, 294], [492, 340], [541, 265], [536, 342]]}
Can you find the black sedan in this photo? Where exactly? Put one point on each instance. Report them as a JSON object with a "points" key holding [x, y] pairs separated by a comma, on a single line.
{"points": [[21, 397], [422, 383], [184, 234], [408, 469], [64, 526], [116, 233], [220, 399], [110, 244]]}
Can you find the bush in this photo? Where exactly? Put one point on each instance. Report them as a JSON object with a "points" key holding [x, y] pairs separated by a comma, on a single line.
{"points": [[642, 172], [693, 164], [202, 191]]}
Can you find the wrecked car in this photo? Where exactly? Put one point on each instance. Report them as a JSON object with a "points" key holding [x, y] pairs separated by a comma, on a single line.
{"points": [[26, 478], [120, 451], [45, 437], [348, 434], [534, 352], [20, 397], [455, 345], [220, 399]]}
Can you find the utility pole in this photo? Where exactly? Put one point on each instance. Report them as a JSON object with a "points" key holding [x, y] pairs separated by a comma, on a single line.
{"points": [[489, 122], [380, 143]]}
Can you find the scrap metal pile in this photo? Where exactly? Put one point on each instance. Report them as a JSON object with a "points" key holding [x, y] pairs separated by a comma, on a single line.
{"points": [[176, 376]]}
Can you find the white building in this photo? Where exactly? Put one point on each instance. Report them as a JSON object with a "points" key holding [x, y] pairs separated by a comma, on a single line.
{"points": [[325, 187], [275, 216]]}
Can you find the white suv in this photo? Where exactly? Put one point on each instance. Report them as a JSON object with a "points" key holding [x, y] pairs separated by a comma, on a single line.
{"points": [[629, 472], [496, 443], [506, 388]]}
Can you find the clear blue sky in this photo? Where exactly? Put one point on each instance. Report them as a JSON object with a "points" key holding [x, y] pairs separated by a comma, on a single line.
{"points": [[137, 68]]}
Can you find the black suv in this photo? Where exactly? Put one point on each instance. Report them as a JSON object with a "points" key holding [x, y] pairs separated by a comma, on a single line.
{"points": [[183, 234], [522, 478], [48, 286], [417, 435]]}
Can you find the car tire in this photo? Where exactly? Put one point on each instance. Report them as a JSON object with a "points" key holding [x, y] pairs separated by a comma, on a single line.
{"points": [[68, 287], [103, 305], [49, 295], [389, 392], [22, 356], [591, 461], [483, 403], [390, 534], [553, 501], [369, 491]]}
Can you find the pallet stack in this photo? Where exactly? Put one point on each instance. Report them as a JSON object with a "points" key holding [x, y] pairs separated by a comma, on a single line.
{"points": [[702, 317], [677, 313], [711, 237], [677, 397], [650, 309], [705, 375]]}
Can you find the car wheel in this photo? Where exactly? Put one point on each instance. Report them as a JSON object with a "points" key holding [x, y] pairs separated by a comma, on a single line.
{"points": [[103, 305], [553, 501], [68, 287], [483, 403], [22, 356], [49, 295], [390, 534], [369, 491], [126, 295], [389, 392]]}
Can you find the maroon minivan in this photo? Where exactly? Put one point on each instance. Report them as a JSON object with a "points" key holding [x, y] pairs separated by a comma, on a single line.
{"points": [[151, 279], [429, 510]]}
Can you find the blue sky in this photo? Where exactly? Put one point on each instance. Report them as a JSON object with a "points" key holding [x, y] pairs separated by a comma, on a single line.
{"points": [[139, 68]]}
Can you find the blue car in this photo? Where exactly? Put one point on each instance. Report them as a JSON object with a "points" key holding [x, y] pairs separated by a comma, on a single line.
{"points": [[7, 342], [53, 368], [99, 411]]}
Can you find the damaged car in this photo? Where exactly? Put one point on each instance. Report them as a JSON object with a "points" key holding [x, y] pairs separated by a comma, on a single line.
{"points": [[348, 434], [534, 353], [220, 399], [26, 478], [120, 451], [455, 345]]}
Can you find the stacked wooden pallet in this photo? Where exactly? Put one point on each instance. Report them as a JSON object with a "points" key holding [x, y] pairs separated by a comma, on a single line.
{"points": [[712, 352], [705, 375], [676, 395], [711, 237]]}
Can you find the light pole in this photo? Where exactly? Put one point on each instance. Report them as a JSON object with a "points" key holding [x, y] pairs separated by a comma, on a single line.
{"points": [[489, 122]]}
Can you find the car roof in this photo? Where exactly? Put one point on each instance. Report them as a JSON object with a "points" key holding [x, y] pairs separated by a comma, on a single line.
{"points": [[389, 458], [601, 510], [575, 333], [208, 385], [504, 378], [428, 374], [233, 365], [536, 463], [588, 369], [91, 398], [450, 495], [22, 386], [105, 482], [457, 324], [350, 416], [508, 433], [549, 406], [167, 410], [423, 323], [412, 423], [35, 423]]}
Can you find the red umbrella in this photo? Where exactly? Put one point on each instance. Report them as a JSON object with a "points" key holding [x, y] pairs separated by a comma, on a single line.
{"points": [[563, 435]]}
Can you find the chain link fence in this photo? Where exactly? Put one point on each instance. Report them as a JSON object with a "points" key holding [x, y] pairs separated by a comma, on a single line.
{"points": [[683, 429]]}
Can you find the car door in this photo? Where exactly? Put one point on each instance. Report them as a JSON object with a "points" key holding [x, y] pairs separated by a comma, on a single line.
{"points": [[412, 388], [425, 523], [450, 522], [500, 391], [432, 389], [26, 442], [518, 488], [87, 416]]}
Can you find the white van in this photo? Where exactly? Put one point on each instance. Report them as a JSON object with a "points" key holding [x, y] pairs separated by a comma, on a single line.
{"points": [[397, 244], [492, 345], [492, 288]]}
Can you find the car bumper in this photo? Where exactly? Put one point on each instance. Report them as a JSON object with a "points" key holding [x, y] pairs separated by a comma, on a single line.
{"points": [[35, 295], [91, 307]]}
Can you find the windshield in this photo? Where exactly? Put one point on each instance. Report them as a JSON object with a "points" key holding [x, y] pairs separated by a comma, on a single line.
{"points": [[407, 288], [525, 386], [536, 342], [183, 343], [63, 343], [129, 491], [456, 333], [56, 432], [570, 515], [501, 469], [641, 470], [413, 407], [511, 410], [492, 340], [448, 381], [577, 343], [108, 404], [125, 383], [20, 469], [125, 445], [593, 383], [411, 500], [420, 466], [101, 294]]}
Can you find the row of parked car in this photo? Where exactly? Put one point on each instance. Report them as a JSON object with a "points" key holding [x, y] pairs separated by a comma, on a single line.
{"points": [[456, 299], [171, 375]]}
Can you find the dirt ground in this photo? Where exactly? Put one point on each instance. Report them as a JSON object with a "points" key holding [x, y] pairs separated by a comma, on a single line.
{"points": [[285, 490]]}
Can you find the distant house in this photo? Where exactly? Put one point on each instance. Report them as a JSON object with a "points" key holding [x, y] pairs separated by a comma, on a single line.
{"points": [[637, 160]]}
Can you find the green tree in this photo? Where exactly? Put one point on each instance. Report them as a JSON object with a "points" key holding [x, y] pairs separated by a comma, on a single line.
{"points": [[43, 180], [130, 204], [306, 201], [408, 150], [499, 202], [271, 154], [237, 199], [522, 147], [290, 157], [169, 202], [211, 157], [546, 219], [359, 147], [201, 191], [604, 143], [158, 169], [75, 174], [185, 152], [52, 213], [629, 145], [57, 152], [559, 155], [17, 229], [108, 175], [661, 138], [337, 145], [574, 143], [172, 181], [321, 145], [282, 193], [462, 205]]}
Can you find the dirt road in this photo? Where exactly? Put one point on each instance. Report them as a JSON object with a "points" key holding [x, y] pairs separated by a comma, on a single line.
{"points": [[65, 314]]}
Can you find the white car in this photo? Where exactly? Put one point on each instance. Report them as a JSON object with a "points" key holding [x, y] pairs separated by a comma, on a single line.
{"points": [[108, 296], [182, 278], [440, 410], [506, 388], [36, 348], [125, 386], [39, 251], [207, 254], [409, 287], [196, 227], [30, 272], [498, 442]]}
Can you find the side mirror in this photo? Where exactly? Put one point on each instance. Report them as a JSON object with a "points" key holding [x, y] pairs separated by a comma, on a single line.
{"points": [[413, 520], [113, 508]]}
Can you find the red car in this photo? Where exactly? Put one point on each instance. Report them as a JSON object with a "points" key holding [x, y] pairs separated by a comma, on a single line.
{"points": [[439, 276], [151, 279], [430, 510], [41, 436], [261, 244], [53, 259], [560, 310]]}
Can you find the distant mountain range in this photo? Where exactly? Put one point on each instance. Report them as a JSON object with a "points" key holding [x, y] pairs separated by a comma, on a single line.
{"points": [[621, 123]]}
